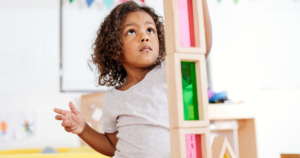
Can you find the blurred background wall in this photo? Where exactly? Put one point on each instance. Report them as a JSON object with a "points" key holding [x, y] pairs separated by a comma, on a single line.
{"points": [[254, 58]]}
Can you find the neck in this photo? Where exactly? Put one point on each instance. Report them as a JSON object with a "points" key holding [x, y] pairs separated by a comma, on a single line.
{"points": [[135, 75]]}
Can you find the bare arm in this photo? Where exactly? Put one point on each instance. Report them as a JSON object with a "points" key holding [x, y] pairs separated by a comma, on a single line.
{"points": [[103, 143], [207, 27], [74, 122]]}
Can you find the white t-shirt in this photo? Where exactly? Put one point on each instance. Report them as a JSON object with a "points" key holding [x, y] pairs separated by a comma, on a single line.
{"points": [[140, 115]]}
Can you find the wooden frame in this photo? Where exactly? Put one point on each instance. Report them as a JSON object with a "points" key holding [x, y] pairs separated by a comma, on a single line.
{"points": [[222, 147], [175, 97], [172, 28], [290, 155], [178, 147], [244, 114], [247, 138]]}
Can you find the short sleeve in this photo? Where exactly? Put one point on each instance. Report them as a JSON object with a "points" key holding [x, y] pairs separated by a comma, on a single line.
{"points": [[109, 121]]}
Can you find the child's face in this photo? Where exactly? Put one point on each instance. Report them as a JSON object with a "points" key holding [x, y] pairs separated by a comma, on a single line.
{"points": [[139, 30]]}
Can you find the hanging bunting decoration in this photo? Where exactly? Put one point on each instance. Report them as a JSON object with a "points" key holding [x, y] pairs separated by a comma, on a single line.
{"points": [[219, 1], [89, 2], [108, 3], [71, 1], [236, 1], [122, 1]]}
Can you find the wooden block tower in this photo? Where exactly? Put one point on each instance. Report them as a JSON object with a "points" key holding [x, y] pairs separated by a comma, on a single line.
{"points": [[186, 79]]}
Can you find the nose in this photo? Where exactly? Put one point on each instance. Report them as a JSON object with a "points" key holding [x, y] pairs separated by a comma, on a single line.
{"points": [[144, 37]]}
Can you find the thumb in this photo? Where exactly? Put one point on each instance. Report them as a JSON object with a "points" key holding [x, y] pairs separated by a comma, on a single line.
{"points": [[73, 109]]}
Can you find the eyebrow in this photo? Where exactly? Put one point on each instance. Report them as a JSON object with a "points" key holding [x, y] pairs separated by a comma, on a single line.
{"points": [[132, 24]]}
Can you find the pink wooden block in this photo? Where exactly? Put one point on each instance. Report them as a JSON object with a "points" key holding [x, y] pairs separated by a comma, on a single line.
{"points": [[190, 143], [193, 145], [183, 18]]}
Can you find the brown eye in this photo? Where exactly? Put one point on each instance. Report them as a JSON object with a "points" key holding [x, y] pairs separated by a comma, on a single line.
{"points": [[130, 32], [150, 30]]}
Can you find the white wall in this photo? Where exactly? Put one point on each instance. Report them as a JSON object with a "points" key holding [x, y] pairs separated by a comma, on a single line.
{"points": [[277, 122], [29, 70], [255, 45], [254, 57], [29, 48]]}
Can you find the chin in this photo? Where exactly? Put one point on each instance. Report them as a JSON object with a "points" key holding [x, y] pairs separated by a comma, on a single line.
{"points": [[147, 63]]}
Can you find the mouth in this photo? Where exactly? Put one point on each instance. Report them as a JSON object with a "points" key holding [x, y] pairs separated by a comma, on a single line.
{"points": [[145, 48]]}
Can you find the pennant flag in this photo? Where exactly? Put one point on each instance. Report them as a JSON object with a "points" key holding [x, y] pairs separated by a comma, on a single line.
{"points": [[219, 0], [89, 2], [236, 1], [143, 1], [71, 1], [108, 3]]}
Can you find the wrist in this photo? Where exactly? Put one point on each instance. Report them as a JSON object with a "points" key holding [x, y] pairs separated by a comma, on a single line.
{"points": [[84, 129]]}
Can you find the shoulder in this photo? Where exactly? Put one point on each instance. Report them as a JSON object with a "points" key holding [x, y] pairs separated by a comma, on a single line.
{"points": [[109, 97], [111, 102], [161, 70]]}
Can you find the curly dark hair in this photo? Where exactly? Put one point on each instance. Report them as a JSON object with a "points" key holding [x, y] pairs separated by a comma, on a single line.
{"points": [[108, 44]]}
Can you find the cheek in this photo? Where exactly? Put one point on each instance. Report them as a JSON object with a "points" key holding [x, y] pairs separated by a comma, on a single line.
{"points": [[128, 45], [125, 47], [127, 52], [157, 47]]}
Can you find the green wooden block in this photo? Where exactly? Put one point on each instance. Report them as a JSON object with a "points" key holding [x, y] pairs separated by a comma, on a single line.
{"points": [[189, 91]]}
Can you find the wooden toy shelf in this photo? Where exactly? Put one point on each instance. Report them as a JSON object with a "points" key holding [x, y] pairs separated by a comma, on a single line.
{"points": [[245, 116], [230, 111]]}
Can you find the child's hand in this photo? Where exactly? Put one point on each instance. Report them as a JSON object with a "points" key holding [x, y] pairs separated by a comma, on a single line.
{"points": [[73, 121]]}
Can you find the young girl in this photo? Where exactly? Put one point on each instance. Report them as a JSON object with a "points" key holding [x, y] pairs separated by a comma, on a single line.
{"points": [[129, 53]]}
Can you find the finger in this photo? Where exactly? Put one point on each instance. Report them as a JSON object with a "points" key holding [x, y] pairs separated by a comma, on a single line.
{"points": [[59, 117], [66, 123], [70, 129], [73, 109], [60, 111]]}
